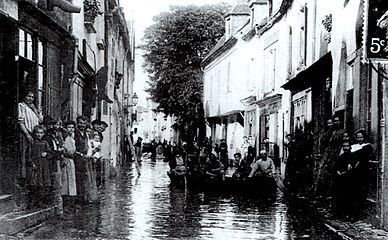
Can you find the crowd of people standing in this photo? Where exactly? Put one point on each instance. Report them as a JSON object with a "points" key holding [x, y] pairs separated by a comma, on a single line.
{"points": [[340, 176], [59, 161]]}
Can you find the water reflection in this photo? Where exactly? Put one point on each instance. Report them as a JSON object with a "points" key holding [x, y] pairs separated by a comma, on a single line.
{"points": [[147, 207]]}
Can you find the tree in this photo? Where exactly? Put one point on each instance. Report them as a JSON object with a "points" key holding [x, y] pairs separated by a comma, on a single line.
{"points": [[174, 48]]}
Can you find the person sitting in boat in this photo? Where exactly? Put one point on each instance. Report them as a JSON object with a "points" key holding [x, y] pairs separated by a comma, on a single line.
{"points": [[179, 166], [214, 169], [242, 166], [263, 167]]}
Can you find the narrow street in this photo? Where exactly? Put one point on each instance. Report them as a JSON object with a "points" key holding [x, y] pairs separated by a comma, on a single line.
{"points": [[147, 207]]}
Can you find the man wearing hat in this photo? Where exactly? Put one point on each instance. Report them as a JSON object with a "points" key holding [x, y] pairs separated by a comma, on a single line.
{"points": [[263, 167]]}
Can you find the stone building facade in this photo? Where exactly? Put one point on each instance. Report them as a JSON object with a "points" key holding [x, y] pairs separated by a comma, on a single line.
{"points": [[75, 63]]}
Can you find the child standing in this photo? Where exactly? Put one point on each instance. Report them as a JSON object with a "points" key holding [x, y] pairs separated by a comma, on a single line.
{"points": [[39, 176]]}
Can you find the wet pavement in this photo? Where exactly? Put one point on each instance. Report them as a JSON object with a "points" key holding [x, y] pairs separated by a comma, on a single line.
{"points": [[147, 207]]}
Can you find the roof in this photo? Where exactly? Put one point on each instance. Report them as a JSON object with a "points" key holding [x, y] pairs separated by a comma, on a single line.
{"points": [[219, 44], [222, 46], [240, 9]]}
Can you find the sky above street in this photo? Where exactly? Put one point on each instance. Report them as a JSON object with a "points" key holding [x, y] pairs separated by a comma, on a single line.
{"points": [[142, 12]]}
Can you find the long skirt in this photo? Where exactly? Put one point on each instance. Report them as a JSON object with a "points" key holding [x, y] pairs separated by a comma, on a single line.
{"points": [[68, 179], [86, 179], [25, 150]]}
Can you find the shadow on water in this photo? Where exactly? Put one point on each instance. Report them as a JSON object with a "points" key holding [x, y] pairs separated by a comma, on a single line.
{"points": [[148, 207]]}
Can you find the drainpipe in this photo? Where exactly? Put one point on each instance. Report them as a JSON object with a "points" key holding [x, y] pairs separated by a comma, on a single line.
{"points": [[106, 52], [125, 90], [74, 76], [314, 31]]}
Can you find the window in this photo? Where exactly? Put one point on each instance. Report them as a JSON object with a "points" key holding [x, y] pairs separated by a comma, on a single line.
{"points": [[34, 52], [290, 58], [270, 70], [228, 28], [41, 74], [77, 97], [264, 129], [250, 120], [303, 36], [104, 108], [299, 107], [113, 67], [25, 45]]}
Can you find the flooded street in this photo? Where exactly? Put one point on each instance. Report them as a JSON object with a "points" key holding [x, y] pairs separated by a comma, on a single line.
{"points": [[147, 207]]}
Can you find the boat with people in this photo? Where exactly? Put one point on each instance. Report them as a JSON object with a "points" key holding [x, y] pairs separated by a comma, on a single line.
{"points": [[259, 186], [203, 170], [213, 177]]}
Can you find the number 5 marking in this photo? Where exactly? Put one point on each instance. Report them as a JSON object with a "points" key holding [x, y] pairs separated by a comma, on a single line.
{"points": [[375, 46]]}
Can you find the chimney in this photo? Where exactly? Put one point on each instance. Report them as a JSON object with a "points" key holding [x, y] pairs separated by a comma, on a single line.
{"points": [[236, 18], [260, 9]]}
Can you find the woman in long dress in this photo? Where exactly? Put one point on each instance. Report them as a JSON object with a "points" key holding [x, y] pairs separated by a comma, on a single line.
{"points": [[68, 180], [28, 118], [363, 153]]}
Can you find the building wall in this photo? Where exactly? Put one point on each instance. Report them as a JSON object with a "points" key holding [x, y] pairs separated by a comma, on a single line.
{"points": [[225, 84], [272, 70], [106, 43], [356, 90], [44, 68], [86, 40], [9, 147]]}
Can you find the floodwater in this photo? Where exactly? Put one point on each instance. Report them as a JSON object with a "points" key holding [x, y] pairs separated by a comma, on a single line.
{"points": [[147, 207]]}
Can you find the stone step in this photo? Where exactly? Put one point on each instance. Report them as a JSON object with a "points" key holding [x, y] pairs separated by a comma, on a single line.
{"points": [[7, 203], [14, 222]]}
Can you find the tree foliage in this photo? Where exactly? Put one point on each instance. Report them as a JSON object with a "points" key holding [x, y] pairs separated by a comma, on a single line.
{"points": [[174, 48]]}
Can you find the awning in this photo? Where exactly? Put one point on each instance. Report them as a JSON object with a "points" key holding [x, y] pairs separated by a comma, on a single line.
{"points": [[227, 114], [219, 118], [305, 79]]}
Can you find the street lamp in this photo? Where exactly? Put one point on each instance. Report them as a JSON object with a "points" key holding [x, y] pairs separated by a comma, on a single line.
{"points": [[135, 98]]}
